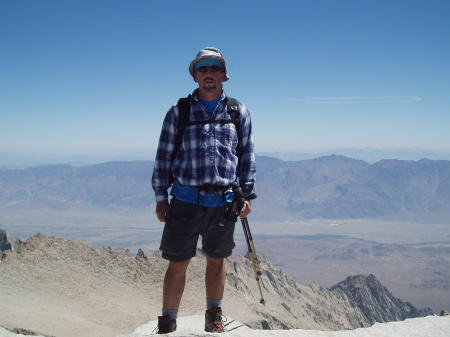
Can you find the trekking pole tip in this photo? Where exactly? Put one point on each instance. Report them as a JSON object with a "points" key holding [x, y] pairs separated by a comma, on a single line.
{"points": [[262, 301]]}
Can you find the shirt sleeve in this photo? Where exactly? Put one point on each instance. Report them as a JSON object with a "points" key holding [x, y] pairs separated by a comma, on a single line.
{"points": [[162, 169], [247, 170]]}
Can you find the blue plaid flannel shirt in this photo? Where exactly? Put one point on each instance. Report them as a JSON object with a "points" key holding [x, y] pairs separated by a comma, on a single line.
{"points": [[208, 153]]}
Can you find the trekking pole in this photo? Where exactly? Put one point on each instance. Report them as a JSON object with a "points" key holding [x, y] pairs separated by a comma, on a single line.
{"points": [[248, 237]]}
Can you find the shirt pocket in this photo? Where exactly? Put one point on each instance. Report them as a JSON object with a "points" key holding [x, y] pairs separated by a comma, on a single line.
{"points": [[229, 135]]}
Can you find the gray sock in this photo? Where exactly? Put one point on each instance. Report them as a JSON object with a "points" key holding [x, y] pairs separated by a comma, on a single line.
{"points": [[170, 312], [212, 303]]}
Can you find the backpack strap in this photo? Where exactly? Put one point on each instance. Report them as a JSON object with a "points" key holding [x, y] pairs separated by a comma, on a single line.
{"points": [[233, 111], [184, 109]]}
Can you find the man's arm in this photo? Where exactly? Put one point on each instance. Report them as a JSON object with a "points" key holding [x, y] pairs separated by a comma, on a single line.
{"points": [[247, 155], [162, 168]]}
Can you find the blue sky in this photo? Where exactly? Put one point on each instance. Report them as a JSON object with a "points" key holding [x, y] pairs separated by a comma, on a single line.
{"points": [[91, 77]]}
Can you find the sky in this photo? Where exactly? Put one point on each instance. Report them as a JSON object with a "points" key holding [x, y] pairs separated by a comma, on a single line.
{"points": [[96, 77]]}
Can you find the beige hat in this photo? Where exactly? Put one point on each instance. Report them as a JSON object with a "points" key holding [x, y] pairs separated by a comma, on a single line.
{"points": [[208, 56]]}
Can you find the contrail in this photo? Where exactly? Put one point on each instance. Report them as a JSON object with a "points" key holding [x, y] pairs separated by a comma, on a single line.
{"points": [[360, 100]]}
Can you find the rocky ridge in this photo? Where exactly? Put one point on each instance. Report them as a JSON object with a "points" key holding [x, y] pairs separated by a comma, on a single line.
{"points": [[67, 288], [6, 243], [375, 301]]}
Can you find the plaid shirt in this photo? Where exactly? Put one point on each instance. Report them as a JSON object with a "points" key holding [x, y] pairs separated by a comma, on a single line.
{"points": [[208, 153]]}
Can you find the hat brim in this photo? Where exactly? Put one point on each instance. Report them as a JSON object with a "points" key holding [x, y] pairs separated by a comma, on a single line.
{"points": [[208, 60]]}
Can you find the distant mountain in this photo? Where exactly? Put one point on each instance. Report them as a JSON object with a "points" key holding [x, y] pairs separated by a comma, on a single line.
{"points": [[370, 155], [22, 161], [337, 187], [108, 185], [331, 187]]}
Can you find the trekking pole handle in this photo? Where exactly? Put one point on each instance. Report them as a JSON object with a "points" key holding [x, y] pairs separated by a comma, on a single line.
{"points": [[238, 197]]}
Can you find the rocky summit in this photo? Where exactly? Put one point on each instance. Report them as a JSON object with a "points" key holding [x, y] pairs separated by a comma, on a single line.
{"points": [[66, 288]]}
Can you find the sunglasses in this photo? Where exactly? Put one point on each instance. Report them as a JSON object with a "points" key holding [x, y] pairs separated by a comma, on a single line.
{"points": [[213, 69]]}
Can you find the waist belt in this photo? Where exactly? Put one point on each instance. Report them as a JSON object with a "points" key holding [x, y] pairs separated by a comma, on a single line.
{"points": [[205, 195], [210, 189]]}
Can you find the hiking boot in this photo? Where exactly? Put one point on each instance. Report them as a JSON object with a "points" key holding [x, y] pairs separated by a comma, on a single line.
{"points": [[214, 320], [166, 325]]}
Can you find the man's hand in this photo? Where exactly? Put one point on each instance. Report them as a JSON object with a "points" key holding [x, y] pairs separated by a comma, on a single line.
{"points": [[246, 209], [162, 210]]}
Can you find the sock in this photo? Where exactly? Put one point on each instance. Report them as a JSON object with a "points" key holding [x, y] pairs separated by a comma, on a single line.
{"points": [[212, 303], [170, 312]]}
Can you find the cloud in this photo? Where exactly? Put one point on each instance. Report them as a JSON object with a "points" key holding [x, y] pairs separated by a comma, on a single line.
{"points": [[361, 100]]}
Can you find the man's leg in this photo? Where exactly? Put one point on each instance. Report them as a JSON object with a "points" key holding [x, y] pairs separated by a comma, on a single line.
{"points": [[173, 289], [215, 277], [217, 241], [215, 284], [174, 282], [178, 242]]}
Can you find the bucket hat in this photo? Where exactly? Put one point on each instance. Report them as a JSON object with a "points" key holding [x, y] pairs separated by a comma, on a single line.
{"points": [[208, 56]]}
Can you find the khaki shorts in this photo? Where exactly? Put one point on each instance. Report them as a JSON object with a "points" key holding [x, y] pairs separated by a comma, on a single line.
{"points": [[189, 221]]}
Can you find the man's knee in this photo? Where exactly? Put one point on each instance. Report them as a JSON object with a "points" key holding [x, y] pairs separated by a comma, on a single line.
{"points": [[215, 262], [178, 266]]}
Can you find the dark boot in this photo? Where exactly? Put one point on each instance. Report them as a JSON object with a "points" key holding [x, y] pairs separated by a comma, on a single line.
{"points": [[214, 320], [166, 324]]}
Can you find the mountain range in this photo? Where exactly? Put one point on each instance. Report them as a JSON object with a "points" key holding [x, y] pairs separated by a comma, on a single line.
{"points": [[331, 187]]}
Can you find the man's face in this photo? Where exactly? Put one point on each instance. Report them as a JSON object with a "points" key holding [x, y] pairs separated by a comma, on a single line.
{"points": [[209, 78]]}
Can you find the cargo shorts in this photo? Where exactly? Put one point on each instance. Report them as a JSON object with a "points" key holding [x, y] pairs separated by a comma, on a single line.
{"points": [[189, 221]]}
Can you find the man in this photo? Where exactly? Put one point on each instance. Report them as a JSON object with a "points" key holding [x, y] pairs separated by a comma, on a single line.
{"points": [[213, 154]]}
